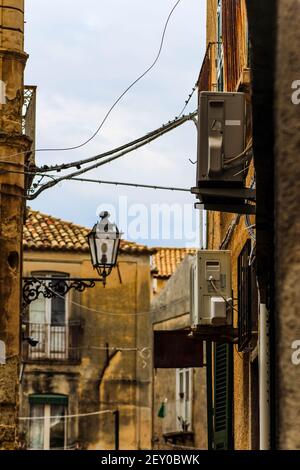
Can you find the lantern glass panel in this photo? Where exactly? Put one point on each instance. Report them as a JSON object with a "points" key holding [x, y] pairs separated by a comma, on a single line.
{"points": [[104, 241], [91, 240], [105, 251]]}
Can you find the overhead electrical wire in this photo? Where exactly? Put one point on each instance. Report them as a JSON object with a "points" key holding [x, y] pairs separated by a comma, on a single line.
{"points": [[27, 173], [117, 153], [129, 146], [162, 131], [112, 348], [187, 101], [78, 415], [133, 185], [114, 314], [74, 147], [78, 163], [34, 170], [8, 162], [45, 171]]}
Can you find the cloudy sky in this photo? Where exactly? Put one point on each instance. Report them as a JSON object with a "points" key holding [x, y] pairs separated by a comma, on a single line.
{"points": [[82, 57]]}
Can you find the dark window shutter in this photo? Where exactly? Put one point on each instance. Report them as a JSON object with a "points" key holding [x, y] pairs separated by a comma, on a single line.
{"points": [[223, 397], [247, 297], [209, 396], [45, 399]]}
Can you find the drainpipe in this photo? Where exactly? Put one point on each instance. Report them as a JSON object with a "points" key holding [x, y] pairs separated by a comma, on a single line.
{"points": [[264, 378]]}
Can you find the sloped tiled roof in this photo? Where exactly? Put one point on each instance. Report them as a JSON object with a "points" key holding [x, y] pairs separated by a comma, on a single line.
{"points": [[166, 260], [46, 233]]}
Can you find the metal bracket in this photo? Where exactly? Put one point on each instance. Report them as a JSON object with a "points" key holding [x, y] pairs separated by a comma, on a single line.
{"points": [[230, 193], [195, 121], [219, 334], [53, 286], [231, 200], [231, 209]]}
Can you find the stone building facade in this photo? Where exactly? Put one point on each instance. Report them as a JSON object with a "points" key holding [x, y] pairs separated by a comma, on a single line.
{"points": [[94, 350]]}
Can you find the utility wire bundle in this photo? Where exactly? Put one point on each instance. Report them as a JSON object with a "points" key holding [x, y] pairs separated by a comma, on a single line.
{"points": [[101, 159]]}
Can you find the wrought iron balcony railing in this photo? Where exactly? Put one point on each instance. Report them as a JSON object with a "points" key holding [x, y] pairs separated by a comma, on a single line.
{"points": [[54, 342]]}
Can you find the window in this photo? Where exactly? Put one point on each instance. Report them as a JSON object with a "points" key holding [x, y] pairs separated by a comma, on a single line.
{"points": [[247, 297], [184, 387], [45, 432], [48, 324]]}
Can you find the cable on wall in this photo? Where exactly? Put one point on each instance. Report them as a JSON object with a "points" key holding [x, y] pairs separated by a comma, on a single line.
{"points": [[78, 415], [101, 312]]}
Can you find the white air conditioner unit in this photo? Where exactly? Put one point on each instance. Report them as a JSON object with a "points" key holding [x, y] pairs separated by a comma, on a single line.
{"points": [[221, 138], [211, 289]]}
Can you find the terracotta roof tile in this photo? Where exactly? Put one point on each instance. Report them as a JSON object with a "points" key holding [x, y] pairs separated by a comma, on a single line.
{"points": [[44, 232], [166, 260]]}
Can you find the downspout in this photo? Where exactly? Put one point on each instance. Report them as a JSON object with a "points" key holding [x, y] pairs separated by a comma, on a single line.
{"points": [[264, 378], [137, 375]]}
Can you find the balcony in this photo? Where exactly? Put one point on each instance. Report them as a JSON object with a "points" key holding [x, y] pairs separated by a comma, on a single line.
{"points": [[59, 343]]}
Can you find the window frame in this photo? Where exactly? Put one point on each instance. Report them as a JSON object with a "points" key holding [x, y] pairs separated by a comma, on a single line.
{"points": [[47, 401], [183, 405], [247, 297], [50, 329]]}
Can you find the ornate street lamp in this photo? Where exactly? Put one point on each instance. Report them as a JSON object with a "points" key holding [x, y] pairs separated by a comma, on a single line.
{"points": [[104, 242]]}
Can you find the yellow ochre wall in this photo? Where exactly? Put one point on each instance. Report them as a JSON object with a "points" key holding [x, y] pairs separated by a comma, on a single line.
{"points": [[123, 381]]}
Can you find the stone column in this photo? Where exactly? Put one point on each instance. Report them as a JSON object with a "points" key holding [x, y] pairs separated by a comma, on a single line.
{"points": [[13, 147]]}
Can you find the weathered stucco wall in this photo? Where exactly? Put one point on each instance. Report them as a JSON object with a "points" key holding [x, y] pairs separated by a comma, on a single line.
{"points": [[287, 183], [121, 380]]}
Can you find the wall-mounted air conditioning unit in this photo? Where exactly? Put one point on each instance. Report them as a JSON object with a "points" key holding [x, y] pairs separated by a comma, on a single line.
{"points": [[211, 288], [221, 138]]}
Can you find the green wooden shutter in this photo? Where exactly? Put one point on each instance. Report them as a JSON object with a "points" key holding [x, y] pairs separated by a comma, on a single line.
{"points": [[223, 396], [209, 396]]}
